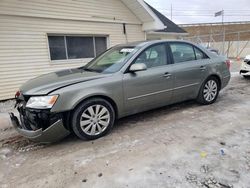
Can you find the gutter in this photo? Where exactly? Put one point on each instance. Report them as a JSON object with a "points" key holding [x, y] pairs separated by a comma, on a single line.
{"points": [[166, 33]]}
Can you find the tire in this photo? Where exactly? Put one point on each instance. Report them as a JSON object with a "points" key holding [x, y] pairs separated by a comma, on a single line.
{"points": [[246, 76], [209, 91], [93, 119]]}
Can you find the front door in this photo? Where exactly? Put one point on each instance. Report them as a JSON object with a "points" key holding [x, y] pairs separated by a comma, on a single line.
{"points": [[151, 88]]}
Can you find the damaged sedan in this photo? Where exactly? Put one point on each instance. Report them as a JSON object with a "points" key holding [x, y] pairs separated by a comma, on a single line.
{"points": [[124, 80]]}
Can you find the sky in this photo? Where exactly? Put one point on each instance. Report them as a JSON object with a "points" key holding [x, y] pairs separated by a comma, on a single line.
{"points": [[202, 11]]}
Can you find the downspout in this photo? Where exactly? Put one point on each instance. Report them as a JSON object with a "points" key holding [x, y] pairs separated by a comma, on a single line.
{"points": [[125, 32]]}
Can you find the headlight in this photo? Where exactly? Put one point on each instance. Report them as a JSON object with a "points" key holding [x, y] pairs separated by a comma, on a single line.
{"points": [[42, 102]]}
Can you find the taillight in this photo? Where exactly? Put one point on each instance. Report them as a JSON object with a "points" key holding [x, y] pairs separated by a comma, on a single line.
{"points": [[17, 94], [228, 63]]}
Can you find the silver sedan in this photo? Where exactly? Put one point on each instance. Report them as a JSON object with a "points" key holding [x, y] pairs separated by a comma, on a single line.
{"points": [[124, 80]]}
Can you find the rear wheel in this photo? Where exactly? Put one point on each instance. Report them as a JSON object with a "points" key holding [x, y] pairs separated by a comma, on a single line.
{"points": [[93, 119], [209, 91]]}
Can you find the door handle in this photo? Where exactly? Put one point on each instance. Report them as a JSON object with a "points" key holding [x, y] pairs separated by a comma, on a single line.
{"points": [[167, 75], [202, 68]]}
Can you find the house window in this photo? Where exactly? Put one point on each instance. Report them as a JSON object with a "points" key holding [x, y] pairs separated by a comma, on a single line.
{"points": [[76, 47], [57, 48]]}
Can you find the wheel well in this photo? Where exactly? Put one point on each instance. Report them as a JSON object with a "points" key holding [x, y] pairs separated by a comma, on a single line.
{"points": [[217, 77], [68, 115], [111, 101]]}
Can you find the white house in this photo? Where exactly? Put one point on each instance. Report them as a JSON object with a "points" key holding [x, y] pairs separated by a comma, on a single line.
{"points": [[40, 36]]}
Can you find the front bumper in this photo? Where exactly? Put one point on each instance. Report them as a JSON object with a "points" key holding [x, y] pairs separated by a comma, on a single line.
{"points": [[53, 133], [245, 69], [245, 72]]}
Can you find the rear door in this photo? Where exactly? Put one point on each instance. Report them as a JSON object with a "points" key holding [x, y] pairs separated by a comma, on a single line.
{"points": [[151, 88], [189, 70]]}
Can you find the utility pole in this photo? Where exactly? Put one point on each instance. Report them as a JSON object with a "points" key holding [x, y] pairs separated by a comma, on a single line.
{"points": [[221, 13], [224, 32], [171, 12], [238, 45]]}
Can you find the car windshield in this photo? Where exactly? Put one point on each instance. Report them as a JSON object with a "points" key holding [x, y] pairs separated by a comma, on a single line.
{"points": [[112, 60]]}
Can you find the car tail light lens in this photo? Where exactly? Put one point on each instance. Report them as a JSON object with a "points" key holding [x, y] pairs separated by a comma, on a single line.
{"points": [[17, 94], [228, 63]]}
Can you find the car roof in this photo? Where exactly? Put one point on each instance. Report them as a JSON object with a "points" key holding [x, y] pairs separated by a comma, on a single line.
{"points": [[141, 44], [150, 42]]}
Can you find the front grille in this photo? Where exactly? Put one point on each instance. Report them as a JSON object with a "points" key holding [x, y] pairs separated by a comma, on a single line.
{"points": [[244, 71], [38, 118], [33, 119]]}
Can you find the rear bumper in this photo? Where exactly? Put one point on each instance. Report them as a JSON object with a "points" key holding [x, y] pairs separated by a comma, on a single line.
{"points": [[53, 133], [225, 81]]}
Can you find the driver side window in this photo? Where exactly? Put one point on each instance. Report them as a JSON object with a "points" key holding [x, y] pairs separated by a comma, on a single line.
{"points": [[153, 56]]}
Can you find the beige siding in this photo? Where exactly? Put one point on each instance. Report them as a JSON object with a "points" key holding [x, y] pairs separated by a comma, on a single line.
{"points": [[24, 44], [92, 10], [140, 10], [162, 36]]}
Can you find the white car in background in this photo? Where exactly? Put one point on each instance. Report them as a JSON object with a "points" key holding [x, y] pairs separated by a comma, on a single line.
{"points": [[245, 67]]}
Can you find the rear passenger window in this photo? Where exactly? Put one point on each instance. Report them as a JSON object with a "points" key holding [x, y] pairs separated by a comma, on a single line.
{"points": [[199, 54], [182, 52]]}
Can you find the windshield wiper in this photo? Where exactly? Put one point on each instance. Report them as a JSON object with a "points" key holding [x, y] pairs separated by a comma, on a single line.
{"points": [[87, 69]]}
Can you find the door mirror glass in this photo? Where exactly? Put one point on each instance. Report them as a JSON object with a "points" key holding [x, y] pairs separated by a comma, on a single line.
{"points": [[138, 67]]}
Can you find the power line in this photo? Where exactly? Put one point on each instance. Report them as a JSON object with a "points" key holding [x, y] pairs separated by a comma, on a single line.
{"points": [[212, 12], [205, 10], [202, 14], [210, 15], [198, 11]]}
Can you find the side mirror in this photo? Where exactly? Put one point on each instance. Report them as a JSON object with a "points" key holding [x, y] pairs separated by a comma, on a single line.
{"points": [[138, 67]]}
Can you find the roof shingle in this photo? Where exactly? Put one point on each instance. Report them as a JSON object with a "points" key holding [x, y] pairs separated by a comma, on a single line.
{"points": [[171, 26]]}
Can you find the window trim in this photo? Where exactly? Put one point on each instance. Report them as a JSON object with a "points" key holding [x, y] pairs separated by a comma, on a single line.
{"points": [[143, 50], [192, 45], [76, 60], [66, 49], [204, 54], [94, 46]]}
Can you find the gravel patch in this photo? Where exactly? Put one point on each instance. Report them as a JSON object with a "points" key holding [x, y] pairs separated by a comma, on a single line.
{"points": [[7, 106]]}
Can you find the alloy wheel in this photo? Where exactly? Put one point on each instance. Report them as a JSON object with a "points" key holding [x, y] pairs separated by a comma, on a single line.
{"points": [[210, 90], [95, 119]]}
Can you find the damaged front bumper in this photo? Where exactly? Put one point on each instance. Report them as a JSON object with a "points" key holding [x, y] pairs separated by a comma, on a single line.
{"points": [[53, 133], [245, 72], [245, 68]]}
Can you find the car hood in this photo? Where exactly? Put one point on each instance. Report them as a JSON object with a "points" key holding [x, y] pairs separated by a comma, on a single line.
{"points": [[47, 83]]}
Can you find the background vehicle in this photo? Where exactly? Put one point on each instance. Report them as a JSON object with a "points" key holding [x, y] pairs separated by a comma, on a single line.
{"points": [[124, 80], [213, 50], [245, 67]]}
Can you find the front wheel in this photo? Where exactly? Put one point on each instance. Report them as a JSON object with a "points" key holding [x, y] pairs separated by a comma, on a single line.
{"points": [[93, 119], [209, 91]]}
